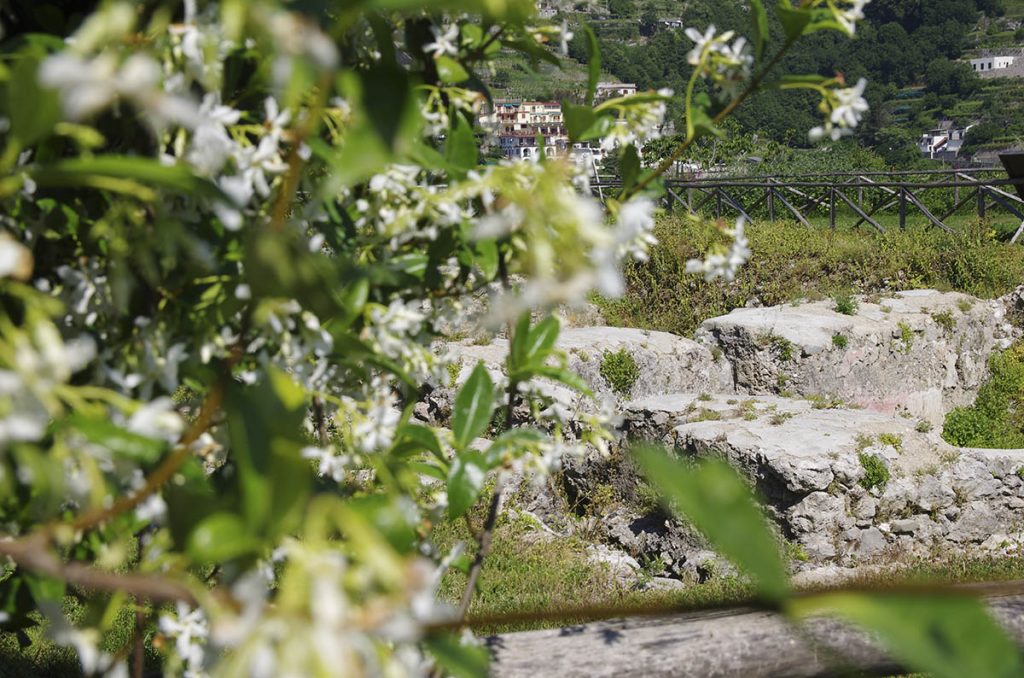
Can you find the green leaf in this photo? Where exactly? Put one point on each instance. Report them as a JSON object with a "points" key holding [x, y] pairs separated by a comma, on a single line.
{"points": [[126, 174], [761, 32], [264, 427], [487, 257], [629, 167], [458, 660], [593, 64], [540, 340], [461, 147], [945, 636], [221, 537], [422, 438], [34, 110], [451, 71], [578, 120], [465, 480], [718, 503], [794, 21], [517, 351], [121, 443], [559, 374], [474, 406]]}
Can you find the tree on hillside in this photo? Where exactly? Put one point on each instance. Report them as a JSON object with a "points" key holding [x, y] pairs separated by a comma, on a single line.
{"points": [[649, 21], [951, 77]]}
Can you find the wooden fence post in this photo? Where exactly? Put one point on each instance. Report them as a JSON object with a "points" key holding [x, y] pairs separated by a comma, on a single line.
{"points": [[981, 202], [903, 207], [832, 207]]}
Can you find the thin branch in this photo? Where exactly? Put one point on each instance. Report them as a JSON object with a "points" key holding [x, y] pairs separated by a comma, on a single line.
{"points": [[34, 553], [752, 86], [162, 475], [486, 535]]}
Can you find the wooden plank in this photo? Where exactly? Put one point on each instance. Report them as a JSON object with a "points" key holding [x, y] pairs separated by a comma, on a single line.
{"points": [[800, 217], [926, 212], [1007, 206], [735, 204], [958, 205], [863, 215], [721, 644]]}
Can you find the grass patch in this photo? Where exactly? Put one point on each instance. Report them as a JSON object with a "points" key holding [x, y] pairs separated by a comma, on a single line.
{"points": [[524, 574], [876, 473], [840, 341], [845, 303], [996, 420], [791, 262], [620, 370]]}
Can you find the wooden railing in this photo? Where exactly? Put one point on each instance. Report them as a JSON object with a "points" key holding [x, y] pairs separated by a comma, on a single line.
{"points": [[866, 194]]}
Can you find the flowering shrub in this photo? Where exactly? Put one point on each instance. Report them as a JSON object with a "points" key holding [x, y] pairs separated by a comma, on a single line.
{"points": [[231, 231]]}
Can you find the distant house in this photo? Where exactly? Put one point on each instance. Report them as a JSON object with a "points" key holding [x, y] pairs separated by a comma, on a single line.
{"points": [[943, 142], [1008, 64], [992, 63], [672, 23], [614, 90]]}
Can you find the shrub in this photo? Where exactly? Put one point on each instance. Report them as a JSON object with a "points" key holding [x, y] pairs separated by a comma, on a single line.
{"points": [[845, 303], [906, 336], [620, 370], [996, 419], [876, 473], [945, 320], [840, 341], [893, 440]]}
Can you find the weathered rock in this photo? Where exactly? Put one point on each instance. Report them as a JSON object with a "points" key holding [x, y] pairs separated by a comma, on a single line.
{"points": [[806, 463], [665, 362], [921, 352]]}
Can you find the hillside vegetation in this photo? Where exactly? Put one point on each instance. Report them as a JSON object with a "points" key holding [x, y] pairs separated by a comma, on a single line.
{"points": [[908, 51]]}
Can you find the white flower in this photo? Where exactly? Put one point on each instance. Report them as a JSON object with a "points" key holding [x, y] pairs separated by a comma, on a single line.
{"points": [[848, 106], [331, 464], [376, 430], [158, 420], [445, 43], [15, 259], [852, 105], [849, 17], [88, 86], [190, 632], [704, 41], [724, 265]]}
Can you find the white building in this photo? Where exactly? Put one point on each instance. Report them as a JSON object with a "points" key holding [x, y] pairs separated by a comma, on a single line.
{"points": [[944, 142], [992, 63], [614, 90]]}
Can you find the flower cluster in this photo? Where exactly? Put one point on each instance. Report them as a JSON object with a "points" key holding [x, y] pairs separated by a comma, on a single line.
{"points": [[721, 263], [716, 56], [844, 108], [639, 120]]}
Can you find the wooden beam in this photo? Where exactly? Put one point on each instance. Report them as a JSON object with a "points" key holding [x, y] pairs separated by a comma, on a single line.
{"points": [[720, 644], [800, 217], [958, 205], [925, 211], [864, 216]]}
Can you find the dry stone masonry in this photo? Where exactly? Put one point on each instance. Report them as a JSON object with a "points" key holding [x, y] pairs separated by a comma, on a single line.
{"points": [[834, 418]]}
